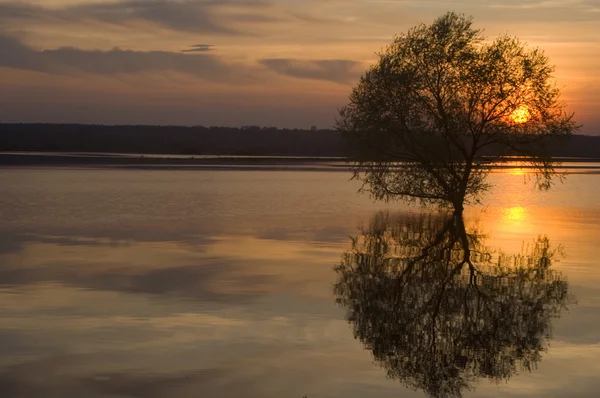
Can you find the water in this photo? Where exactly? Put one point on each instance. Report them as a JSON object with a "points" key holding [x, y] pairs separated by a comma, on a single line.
{"points": [[138, 283]]}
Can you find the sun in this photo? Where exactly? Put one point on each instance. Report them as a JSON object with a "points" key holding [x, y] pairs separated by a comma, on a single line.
{"points": [[521, 114]]}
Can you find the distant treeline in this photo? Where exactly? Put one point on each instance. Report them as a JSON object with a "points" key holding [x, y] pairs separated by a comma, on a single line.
{"points": [[244, 141]]}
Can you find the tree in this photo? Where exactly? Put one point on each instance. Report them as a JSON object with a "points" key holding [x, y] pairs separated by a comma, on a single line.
{"points": [[421, 123], [439, 309]]}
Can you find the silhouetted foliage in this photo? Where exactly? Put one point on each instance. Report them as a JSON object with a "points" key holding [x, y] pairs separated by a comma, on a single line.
{"points": [[438, 309], [438, 99]]}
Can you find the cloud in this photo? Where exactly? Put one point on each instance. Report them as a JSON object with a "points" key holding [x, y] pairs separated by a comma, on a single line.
{"points": [[198, 48], [214, 17], [335, 70], [69, 60], [194, 61]]}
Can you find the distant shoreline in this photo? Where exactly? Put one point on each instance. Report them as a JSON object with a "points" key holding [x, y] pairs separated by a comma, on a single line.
{"points": [[205, 162], [168, 162]]}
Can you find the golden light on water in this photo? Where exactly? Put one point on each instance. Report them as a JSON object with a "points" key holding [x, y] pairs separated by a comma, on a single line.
{"points": [[516, 171], [517, 213], [515, 168], [513, 221], [521, 114]]}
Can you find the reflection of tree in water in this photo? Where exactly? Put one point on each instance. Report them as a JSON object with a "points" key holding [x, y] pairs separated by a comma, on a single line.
{"points": [[438, 309]]}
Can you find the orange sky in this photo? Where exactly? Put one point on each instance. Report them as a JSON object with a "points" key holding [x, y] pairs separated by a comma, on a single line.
{"points": [[238, 62]]}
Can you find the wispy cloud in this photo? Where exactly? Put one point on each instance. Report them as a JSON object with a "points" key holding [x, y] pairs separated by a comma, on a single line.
{"points": [[198, 48], [336, 70]]}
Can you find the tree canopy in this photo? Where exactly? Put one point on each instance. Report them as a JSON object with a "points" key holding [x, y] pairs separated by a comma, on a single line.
{"points": [[439, 309], [422, 119]]}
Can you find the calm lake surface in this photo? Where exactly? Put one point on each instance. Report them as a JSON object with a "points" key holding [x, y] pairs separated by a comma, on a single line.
{"points": [[204, 283]]}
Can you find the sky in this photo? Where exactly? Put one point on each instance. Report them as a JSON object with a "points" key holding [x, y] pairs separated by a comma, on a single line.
{"points": [[282, 63]]}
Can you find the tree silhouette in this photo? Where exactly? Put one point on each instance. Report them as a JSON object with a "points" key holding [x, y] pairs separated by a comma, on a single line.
{"points": [[439, 101], [438, 309]]}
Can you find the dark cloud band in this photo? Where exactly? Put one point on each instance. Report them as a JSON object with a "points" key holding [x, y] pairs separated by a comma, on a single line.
{"points": [[69, 60], [197, 61]]}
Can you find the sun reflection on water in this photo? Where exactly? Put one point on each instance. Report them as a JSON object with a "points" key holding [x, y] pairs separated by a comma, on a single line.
{"points": [[515, 214], [514, 220], [516, 171]]}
